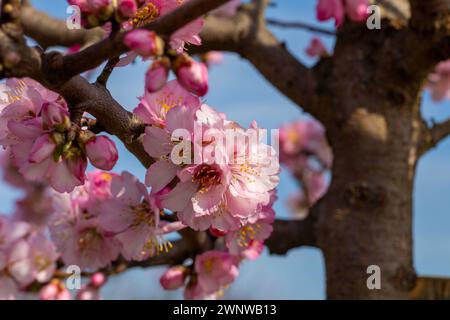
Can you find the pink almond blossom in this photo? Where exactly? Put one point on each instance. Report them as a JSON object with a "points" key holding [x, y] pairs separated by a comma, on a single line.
{"points": [[133, 217], [153, 107], [215, 270]]}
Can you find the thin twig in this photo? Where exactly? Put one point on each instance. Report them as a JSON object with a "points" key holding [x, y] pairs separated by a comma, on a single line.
{"points": [[107, 70], [300, 25]]}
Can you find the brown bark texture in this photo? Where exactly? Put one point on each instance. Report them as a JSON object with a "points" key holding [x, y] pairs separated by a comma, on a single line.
{"points": [[367, 95]]}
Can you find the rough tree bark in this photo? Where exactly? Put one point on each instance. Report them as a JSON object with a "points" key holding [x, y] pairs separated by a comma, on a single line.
{"points": [[368, 96]]}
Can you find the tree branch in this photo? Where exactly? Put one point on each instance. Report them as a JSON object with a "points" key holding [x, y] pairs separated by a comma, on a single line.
{"points": [[430, 15], [269, 56], [117, 121], [431, 137], [107, 70], [93, 56], [289, 234], [48, 31]]}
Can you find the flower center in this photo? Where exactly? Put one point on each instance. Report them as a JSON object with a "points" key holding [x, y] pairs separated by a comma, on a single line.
{"points": [[89, 238], [208, 265], [145, 15], [143, 215], [41, 262], [247, 234], [206, 176]]}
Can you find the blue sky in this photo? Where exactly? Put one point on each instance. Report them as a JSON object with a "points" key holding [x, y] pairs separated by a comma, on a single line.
{"points": [[239, 91]]}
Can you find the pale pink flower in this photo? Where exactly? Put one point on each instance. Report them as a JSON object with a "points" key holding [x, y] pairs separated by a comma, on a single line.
{"points": [[12, 231], [101, 152], [212, 57], [144, 43], [79, 237], [316, 48], [33, 259], [215, 270], [439, 81], [248, 241], [302, 139], [8, 287], [153, 107], [157, 75], [133, 217], [226, 191], [88, 293], [331, 9], [192, 75], [174, 278], [36, 206], [55, 290]]}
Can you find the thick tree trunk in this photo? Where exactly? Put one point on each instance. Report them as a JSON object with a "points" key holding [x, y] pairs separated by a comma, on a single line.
{"points": [[366, 217]]}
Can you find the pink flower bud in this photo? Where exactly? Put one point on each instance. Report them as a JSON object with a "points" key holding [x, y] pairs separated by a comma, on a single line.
{"points": [[54, 116], [173, 278], [88, 293], [98, 5], [157, 74], [330, 9], [192, 75], [102, 152], [127, 8], [49, 292], [144, 43], [64, 294], [98, 279], [316, 48], [42, 148]]}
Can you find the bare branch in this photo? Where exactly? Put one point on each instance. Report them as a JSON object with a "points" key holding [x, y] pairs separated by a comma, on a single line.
{"points": [[431, 137], [300, 25], [293, 234], [48, 31], [117, 121], [107, 70], [96, 54], [271, 57]]}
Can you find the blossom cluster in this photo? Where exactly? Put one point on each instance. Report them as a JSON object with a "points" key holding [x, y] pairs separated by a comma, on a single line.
{"points": [[42, 142], [198, 180], [336, 10], [215, 270], [226, 188], [26, 256], [305, 152]]}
